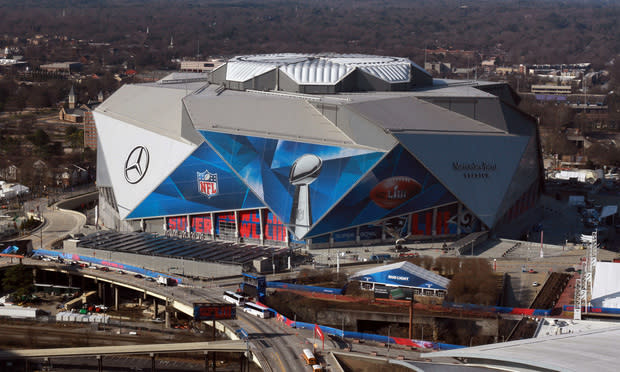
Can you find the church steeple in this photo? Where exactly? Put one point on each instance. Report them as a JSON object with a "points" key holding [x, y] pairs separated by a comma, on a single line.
{"points": [[72, 98]]}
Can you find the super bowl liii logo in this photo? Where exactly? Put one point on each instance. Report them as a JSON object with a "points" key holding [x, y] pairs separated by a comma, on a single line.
{"points": [[207, 183]]}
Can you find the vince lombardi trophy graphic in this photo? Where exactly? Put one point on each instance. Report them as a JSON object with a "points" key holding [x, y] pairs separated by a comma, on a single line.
{"points": [[304, 171]]}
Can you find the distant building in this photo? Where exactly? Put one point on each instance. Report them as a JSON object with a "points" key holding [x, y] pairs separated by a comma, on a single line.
{"points": [[464, 71], [90, 131], [200, 66], [9, 173], [552, 89], [488, 65], [505, 70], [11, 190], [82, 114], [70, 113], [437, 67], [67, 67], [12, 63]]}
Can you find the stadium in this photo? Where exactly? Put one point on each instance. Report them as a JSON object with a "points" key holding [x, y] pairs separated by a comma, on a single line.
{"points": [[314, 150]]}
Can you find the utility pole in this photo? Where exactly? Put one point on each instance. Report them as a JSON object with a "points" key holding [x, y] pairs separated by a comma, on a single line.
{"points": [[388, 352], [411, 315]]}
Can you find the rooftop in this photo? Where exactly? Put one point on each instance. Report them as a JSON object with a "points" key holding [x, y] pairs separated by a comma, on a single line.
{"points": [[586, 351], [397, 269]]}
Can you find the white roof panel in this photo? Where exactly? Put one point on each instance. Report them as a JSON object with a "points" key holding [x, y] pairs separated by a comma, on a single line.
{"points": [[394, 73], [320, 69], [243, 71], [316, 71], [606, 288], [586, 351]]}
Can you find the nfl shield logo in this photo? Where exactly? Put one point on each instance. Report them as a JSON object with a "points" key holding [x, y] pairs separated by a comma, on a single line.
{"points": [[207, 183]]}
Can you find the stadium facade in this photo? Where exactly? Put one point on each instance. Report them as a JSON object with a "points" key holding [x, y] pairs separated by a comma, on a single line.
{"points": [[322, 150]]}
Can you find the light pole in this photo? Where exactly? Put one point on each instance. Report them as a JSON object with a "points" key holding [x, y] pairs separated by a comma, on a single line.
{"points": [[41, 230], [388, 352]]}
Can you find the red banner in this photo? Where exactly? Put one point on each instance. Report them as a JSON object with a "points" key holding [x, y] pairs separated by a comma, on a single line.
{"points": [[319, 331]]}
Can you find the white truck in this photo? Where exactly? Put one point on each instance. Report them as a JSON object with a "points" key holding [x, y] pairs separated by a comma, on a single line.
{"points": [[164, 280]]}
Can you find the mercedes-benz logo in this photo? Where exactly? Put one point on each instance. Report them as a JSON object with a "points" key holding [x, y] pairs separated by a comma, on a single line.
{"points": [[136, 164]]}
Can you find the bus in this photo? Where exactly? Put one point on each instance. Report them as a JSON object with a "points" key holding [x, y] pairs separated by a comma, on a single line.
{"points": [[317, 368], [258, 310], [234, 298], [309, 357], [380, 257]]}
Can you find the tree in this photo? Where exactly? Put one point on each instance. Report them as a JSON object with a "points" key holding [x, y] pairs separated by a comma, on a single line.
{"points": [[18, 279], [75, 136], [39, 138], [474, 283], [557, 143]]}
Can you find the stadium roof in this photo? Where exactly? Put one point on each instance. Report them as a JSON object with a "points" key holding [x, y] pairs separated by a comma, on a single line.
{"points": [[154, 107], [586, 351], [260, 114], [402, 274], [395, 115], [318, 69]]}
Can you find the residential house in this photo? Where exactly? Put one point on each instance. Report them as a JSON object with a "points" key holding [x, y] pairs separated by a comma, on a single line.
{"points": [[10, 173]]}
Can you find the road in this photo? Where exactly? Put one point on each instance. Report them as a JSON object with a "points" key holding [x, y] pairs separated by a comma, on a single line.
{"points": [[280, 348], [57, 224]]}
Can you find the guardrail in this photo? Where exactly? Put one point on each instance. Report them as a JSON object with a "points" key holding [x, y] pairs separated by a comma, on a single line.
{"points": [[590, 309], [498, 309], [307, 288], [102, 262]]}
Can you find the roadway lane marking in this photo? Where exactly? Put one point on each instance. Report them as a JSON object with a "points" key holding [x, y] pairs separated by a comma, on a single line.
{"points": [[254, 329], [279, 361]]}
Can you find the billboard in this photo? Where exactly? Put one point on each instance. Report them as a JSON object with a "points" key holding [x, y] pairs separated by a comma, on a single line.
{"points": [[397, 186], [298, 181], [202, 183], [214, 311]]}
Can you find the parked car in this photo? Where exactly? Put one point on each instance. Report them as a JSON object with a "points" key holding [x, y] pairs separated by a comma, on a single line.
{"points": [[138, 276], [535, 284]]}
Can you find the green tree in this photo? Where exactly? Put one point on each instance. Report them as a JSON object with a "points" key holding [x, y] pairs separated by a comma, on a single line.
{"points": [[18, 280], [75, 136], [39, 138]]}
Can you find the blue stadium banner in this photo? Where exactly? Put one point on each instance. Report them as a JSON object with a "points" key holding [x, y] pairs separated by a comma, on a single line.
{"points": [[202, 183], [397, 186], [298, 181]]}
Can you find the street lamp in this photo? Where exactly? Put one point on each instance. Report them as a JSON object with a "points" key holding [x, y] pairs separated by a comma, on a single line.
{"points": [[388, 352], [41, 230]]}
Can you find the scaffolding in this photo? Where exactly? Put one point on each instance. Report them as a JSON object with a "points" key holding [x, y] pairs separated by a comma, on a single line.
{"points": [[583, 285]]}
